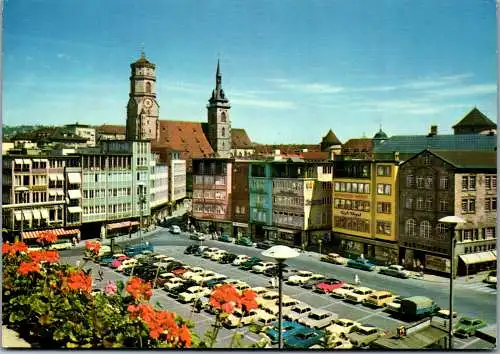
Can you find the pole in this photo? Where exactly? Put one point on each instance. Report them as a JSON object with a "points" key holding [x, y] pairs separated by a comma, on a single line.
{"points": [[280, 305], [141, 201], [452, 255]]}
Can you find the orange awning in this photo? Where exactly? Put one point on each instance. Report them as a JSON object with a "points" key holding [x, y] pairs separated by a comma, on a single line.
{"points": [[121, 225], [28, 235]]}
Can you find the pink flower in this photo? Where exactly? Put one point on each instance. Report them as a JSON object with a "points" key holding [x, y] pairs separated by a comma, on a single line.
{"points": [[110, 288]]}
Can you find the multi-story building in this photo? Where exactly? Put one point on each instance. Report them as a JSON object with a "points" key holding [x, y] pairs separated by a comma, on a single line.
{"points": [[110, 132], [116, 186], [365, 208], [212, 187], [301, 202], [41, 193], [240, 200], [434, 184], [84, 131], [159, 191], [260, 200]]}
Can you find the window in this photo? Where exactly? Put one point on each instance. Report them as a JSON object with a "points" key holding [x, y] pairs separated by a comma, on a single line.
{"points": [[354, 187], [490, 204], [490, 232], [383, 170], [467, 235], [427, 159], [428, 204], [465, 183], [442, 228], [384, 208], [444, 182], [420, 182], [383, 227], [384, 189], [468, 206], [443, 205], [223, 117], [148, 87], [410, 227], [487, 182], [337, 187], [410, 181], [425, 229], [428, 182], [420, 203], [223, 132], [409, 203], [472, 183]]}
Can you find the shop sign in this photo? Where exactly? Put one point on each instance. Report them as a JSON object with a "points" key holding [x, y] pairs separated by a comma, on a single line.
{"points": [[271, 228], [240, 224], [437, 263], [356, 214], [351, 196]]}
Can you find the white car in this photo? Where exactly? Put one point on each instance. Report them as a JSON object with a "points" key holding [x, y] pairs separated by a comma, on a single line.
{"points": [[240, 259], [264, 318], [491, 278], [341, 325], [217, 256], [288, 304], [127, 263], [344, 289], [358, 295], [267, 298], [192, 272], [209, 252], [297, 312], [303, 276], [318, 319], [175, 229], [61, 244], [172, 283], [261, 267], [240, 286], [161, 257], [201, 275], [337, 343], [239, 318], [193, 293], [259, 290]]}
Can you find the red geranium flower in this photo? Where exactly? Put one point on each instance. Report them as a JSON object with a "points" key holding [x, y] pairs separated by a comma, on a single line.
{"points": [[226, 298], [139, 289], [78, 280], [51, 256], [18, 246], [93, 246], [47, 237], [6, 247], [28, 267]]}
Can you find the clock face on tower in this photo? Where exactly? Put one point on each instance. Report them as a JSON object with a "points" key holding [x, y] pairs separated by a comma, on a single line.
{"points": [[148, 102]]}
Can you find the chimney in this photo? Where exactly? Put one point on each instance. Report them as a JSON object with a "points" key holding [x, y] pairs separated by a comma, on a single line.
{"points": [[396, 155], [434, 130]]}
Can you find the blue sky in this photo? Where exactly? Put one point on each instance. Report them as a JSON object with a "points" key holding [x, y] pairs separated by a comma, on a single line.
{"points": [[292, 69]]}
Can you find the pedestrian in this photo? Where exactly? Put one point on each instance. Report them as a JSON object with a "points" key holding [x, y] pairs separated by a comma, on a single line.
{"points": [[273, 282], [356, 280], [78, 237], [74, 241]]}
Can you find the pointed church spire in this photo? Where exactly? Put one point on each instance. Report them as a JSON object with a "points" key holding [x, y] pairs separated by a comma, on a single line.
{"points": [[218, 93]]}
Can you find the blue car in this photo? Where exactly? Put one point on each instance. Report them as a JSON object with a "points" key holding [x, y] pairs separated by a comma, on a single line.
{"points": [[361, 263], [288, 328], [304, 338], [138, 249]]}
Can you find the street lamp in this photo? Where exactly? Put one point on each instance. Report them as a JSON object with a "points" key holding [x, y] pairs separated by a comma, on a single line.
{"points": [[452, 221], [280, 254]]}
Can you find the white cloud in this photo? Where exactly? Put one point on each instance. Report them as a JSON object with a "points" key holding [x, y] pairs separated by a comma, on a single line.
{"points": [[470, 90], [311, 87]]}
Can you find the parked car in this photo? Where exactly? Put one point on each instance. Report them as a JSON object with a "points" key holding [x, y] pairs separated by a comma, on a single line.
{"points": [[344, 289], [445, 313], [361, 263], [200, 250], [491, 278], [395, 270], [338, 343], [193, 293], [298, 311], [250, 263], [127, 263], [162, 279], [244, 241], [261, 267], [264, 245], [192, 272], [210, 251], [138, 249], [310, 284], [107, 260], [267, 299], [318, 319], [341, 325], [259, 291], [328, 285], [177, 290], [304, 338], [395, 305], [239, 317], [468, 326], [273, 271], [217, 256], [240, 259], [302, 276], [358, 294], [417, 306], [362, 335], [228, 258], [263, 318], [287, 328], [61, 244], [334, 258], [379, 298], [175, 229], [197, 237], [225, 238], [212, 283], [172, 283], [190, 249]]}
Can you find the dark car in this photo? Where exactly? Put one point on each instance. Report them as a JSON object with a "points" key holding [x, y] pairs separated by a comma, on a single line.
{"points": [[228, 258], [250, 263], [174, 292], [191, 249], [264, 245], [244, 241], [311, 283], [199, 251], [225, 238], [138, 249], [273, 272], [212, 283]]}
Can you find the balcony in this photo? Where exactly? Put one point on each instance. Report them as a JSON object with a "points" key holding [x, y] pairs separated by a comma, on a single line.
{"points": [[288, 208]]}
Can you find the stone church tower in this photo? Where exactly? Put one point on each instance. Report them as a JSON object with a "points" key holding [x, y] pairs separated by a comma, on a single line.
{"points": [[219, 124], [142, 107]]}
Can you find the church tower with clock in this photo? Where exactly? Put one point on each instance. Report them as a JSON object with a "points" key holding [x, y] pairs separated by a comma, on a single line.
{"points": [[142, 107], [219, 124]]}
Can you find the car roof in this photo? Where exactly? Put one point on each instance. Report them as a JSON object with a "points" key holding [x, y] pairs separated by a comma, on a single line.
{"points": [[320, 312], [363, 288], [381, 292]]}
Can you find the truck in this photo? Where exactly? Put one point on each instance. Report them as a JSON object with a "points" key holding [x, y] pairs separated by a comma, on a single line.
{"points": [[417, 307]]}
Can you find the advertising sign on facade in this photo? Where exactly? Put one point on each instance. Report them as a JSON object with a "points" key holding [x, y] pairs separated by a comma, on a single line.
{"points": [[437, 263]]}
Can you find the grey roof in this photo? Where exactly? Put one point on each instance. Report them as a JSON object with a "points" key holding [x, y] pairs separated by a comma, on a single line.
{"points": [[380, 135], [475, 118], [416, 143]]}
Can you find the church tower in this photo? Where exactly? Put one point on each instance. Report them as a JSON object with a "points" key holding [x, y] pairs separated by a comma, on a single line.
{"points": [[142, 107], [219, 124]]}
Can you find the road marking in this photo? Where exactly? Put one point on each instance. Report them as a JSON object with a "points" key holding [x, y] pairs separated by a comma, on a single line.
{"points": [[469, 343], [364, 318]]}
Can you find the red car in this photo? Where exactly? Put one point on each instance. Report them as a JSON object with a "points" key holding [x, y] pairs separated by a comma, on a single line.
{"points": [[327, 286], [178, 271], [118, 261]]}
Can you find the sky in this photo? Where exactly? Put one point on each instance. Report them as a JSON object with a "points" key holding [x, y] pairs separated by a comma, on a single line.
{"points": [[292, 69]]}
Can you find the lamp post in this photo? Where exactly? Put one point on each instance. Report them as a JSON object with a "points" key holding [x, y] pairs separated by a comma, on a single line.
{"points": [[280, 254], [452, 221]]}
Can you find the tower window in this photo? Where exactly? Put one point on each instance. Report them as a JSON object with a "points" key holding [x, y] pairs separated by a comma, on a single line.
{"points": [[148, 87], [223, 131], [223, 117]]}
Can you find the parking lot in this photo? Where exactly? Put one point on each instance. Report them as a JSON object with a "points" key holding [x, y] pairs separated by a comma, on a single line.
{"points": [[203, 320]]}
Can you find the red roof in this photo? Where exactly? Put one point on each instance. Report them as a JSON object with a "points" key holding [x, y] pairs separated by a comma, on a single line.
{"points": [[240, 139], [315, 155], [357, 146], [111, 129]]}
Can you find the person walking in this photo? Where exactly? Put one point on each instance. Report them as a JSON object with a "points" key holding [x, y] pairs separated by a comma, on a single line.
{"points": [[356, 280]]}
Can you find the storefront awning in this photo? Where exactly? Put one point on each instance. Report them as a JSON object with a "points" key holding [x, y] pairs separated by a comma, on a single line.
{"points": [[480, 257], [121, 225], [18, 161], [58, 232], [289, 231], [45, 213], [52, 177], [74, 178], [17, 215], [27, 161], [74, 194], [74, 209], [36, 214], [60, 177], [27, 214]]}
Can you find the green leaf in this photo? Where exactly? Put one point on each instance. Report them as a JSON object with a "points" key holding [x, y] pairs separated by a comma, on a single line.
{"points": [[58, 335], [71, 345]]}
